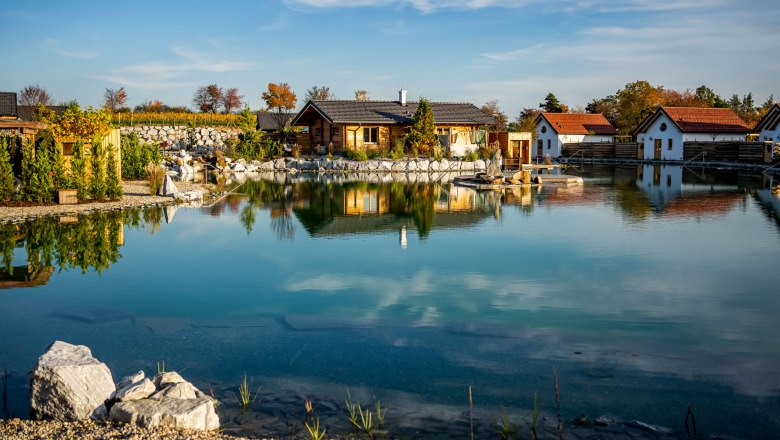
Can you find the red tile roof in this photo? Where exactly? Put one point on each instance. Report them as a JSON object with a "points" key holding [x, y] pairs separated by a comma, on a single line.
{"points": [[699, 120], [579, 123]]}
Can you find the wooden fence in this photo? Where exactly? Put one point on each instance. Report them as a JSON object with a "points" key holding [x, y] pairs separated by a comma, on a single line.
{"points": [[748, 152], [602, 150]]}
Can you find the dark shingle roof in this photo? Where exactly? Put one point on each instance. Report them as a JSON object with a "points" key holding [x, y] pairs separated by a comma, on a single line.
{"points": [[25, 111], [8, 104], [268, 121], [392, 112]]}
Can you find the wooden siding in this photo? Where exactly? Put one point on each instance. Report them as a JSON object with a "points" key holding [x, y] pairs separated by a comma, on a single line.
{"points": [[751, 152]]}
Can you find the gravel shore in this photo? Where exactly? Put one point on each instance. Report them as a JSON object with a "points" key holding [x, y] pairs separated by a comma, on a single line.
{"points": [[136, 194], [16, 429]]}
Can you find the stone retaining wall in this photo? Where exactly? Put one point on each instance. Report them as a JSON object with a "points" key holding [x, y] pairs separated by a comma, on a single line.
{"points": [[368, 166], [181, 136]]}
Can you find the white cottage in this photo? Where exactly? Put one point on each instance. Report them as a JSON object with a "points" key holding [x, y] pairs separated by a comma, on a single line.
{"points": [[663, 134], [768, 128], [556, 129]]}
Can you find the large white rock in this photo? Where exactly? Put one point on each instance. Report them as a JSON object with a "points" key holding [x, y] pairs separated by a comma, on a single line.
{"points": [[168, 187], [133, 388], [69, 384], [198, 413]]}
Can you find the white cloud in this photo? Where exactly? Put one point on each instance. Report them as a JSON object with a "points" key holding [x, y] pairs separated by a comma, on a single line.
{"points": [[54, 45], [425, 6], [512, 54]]}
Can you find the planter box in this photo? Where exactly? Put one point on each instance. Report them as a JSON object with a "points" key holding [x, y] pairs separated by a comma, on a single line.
{"points": [[67, 197]]}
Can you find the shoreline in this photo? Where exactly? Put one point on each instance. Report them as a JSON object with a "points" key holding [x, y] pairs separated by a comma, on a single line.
{"points": [[136, 195]]}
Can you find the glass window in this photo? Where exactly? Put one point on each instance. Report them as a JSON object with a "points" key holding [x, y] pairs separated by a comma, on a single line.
{"points": [[548, 143], [669, 144], [370, 134]]}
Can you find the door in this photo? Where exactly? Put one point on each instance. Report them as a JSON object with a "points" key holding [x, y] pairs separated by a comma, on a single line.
{"points": [[526, 151], [657, 155]]}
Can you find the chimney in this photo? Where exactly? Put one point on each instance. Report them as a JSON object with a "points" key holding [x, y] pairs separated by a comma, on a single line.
{"points": [[402, 97]]}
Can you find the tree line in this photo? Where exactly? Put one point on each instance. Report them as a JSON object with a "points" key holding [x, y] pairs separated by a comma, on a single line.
{"points": [[630, 105]]}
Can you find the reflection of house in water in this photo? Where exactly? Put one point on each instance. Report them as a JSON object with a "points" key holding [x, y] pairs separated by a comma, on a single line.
{"points": [[768, 199], [362, 208], [673, 193]]}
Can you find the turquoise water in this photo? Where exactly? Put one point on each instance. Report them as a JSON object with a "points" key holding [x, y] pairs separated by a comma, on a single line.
{"points": [[646, 289]]}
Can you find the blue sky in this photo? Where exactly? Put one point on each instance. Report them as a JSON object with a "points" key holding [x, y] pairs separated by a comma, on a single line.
{"points": [[515, 51]]}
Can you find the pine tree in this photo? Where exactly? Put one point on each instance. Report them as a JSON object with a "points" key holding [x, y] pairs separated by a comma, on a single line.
{"points": [[6, 171], [78, 169], [97, 180], [113, 186], [422, 134], [551, 104], [28, 177]]}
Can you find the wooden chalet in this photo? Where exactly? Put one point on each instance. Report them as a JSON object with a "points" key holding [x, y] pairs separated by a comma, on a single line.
{"points": [[338, 125]]}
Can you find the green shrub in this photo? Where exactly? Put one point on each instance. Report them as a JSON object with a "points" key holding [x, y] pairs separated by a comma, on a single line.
{"points": [[136, 156], [113, 185], [355, 154], [97, 178], [471, 156], [78, 171], [6, 171]]}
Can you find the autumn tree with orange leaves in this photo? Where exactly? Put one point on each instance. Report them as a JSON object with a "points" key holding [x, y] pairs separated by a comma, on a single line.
{"points": [[113, 99], [280, 100]]}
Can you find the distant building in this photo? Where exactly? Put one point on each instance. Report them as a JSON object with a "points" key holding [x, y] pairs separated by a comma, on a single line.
{"points": [[361, 125], [768, 128], [556, 129], [661, 135], [8, 108]]}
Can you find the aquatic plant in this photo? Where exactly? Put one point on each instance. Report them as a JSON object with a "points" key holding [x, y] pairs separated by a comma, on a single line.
{"points": [[535, 414], [471, 413], [314, 430], [160, 367], [246, 395], [558, 404], [380, 415], [366, 421], [691, 430], [506, 429]]}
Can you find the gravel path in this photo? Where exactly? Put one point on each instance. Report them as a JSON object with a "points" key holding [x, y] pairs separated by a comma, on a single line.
{"points": [[136, 194]]}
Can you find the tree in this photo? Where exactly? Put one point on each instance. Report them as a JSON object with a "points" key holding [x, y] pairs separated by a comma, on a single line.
{"points": [[766, 106], [551, 104], [635, 102], [709, 97], [208, 98], [675, 98], [6, 170], [606, 106], [317, 93], [33, 95], [113, 99], [232, 100], [279, 100], [492, 108], [525, 121], [422, 134], [745, 108], [361, 95]]}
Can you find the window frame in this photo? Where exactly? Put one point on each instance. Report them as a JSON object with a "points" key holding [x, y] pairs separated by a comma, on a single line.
{"points": [[370, 135]]}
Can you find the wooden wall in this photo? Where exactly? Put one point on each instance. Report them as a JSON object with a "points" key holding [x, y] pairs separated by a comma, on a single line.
{"points": [[602, 150], [734, 151]]}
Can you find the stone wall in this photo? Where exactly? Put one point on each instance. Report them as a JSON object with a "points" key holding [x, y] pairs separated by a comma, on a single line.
{"points": [[181, 136]]}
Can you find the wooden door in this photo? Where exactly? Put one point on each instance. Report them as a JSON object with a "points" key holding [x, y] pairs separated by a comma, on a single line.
{"points": [[525, 147], [657, 155]]}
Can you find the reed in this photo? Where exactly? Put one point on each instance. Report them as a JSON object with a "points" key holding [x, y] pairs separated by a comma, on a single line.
{"points": [[506, 429], [247, 396], [535, 414], [154, 176], [471, 413], [314, 430], [691, 430], [160, 367], [558, 404]]}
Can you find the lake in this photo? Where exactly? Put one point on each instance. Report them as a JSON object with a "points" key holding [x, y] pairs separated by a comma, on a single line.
{"points": [[643, 291]]}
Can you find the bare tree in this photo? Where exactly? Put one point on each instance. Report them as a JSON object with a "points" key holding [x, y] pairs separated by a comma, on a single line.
{"points": [[33, 95], [492, 108], [361, 95], [232, 100], [208, 98], [317, 93], [114, 99]]}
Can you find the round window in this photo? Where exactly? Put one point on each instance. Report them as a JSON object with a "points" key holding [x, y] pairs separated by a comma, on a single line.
{"points": [[544, 129], [663, 126]]}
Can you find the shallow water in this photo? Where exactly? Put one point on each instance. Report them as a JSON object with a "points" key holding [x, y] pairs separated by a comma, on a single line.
{"points": [[645, 290]]}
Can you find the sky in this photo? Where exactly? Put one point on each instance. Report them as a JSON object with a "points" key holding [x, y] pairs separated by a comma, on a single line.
{"points": [[513, 51]]}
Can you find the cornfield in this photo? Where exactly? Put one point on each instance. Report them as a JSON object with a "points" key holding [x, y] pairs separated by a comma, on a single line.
{"points": [[174, 118]]}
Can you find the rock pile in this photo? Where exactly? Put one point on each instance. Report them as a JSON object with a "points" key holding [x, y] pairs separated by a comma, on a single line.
{"points": [[181, 137], [69, 384]]}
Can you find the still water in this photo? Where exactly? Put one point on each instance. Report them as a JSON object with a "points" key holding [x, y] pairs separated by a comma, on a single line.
{"points": [[646, 289]]}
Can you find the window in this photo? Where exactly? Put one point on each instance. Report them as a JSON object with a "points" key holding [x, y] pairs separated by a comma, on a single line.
{"points": [[540, 144], [548, 143], [370, 134], [67, 148], [669, 144], [334, 131], [663, 126], [318, 131]]}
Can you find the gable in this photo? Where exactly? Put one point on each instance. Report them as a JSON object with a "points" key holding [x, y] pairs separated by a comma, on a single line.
{"points": [[770, 120], [697, 120], [578, 123]]}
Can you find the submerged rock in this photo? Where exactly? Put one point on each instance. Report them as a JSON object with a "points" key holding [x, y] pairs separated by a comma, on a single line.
{"points": [[69, 384]]}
